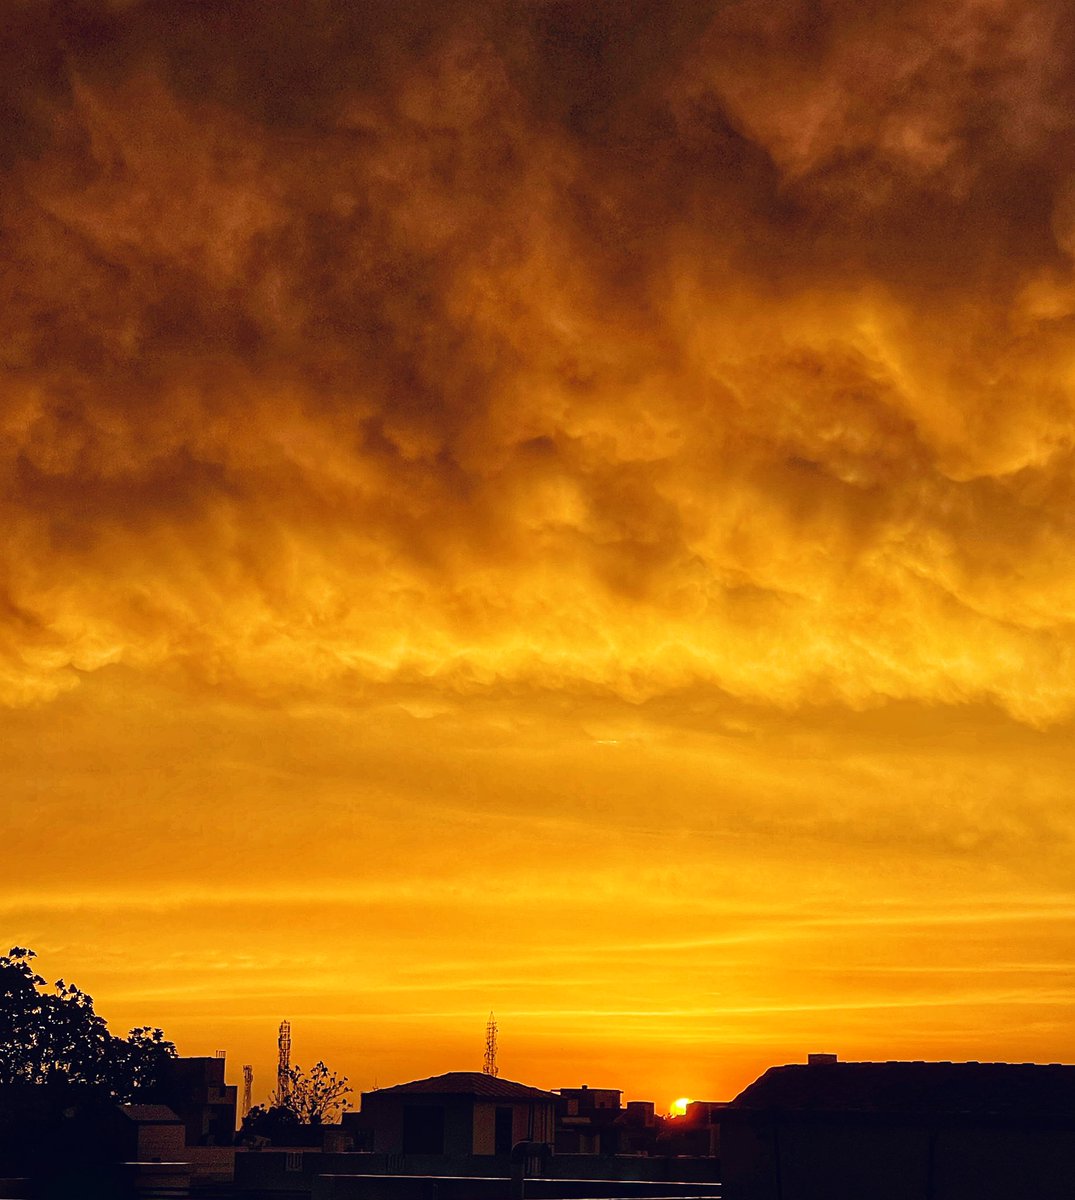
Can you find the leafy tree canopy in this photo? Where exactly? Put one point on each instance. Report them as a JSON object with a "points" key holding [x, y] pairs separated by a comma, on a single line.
{"points": [[272, 1122], [317, 1095], [314, 1097], [55, 1037]]}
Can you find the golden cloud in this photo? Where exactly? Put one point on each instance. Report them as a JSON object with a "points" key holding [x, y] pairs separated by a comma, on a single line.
{"points": [[528, 347]]}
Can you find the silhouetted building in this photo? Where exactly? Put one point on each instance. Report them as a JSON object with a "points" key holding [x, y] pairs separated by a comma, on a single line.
{"points": [[457, 1114], [70, 1141], [147, 1133], [902, 1131], [356, 1125], [149, 1156], [472, 1136], [194, 1088], [585, 1100], [74, 1141], [49, 1131], [638, 1127], [696, 1132], [586, 1120]]}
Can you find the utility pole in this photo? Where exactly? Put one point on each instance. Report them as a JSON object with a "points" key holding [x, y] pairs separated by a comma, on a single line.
{"points": [[248, 1087]]}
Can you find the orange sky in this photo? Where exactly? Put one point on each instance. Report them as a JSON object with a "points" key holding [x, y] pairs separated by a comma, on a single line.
{"points": [[557, 507]]}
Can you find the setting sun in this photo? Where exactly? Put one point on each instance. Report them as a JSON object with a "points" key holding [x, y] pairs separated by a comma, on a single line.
{"points": [[679, 1107]]}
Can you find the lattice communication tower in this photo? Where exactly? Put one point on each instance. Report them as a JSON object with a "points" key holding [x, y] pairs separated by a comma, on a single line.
{"points": [[283, 1068], [490, 1067], [248, 1087]]}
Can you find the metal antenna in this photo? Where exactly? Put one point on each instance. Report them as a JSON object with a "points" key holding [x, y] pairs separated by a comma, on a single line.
{"points": [[490, 1067], [283, 1069]]}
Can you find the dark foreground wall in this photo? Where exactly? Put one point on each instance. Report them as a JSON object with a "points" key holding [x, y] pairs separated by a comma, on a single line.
{"points": [[282, 1173], [813, 1160], [396, 1187]]}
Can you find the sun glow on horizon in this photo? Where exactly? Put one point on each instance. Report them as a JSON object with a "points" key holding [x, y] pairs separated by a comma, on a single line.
{"points": [[679, 1107]]}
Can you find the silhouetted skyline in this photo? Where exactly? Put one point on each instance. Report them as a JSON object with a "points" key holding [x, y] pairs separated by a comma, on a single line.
{"points": [[560, 508]]}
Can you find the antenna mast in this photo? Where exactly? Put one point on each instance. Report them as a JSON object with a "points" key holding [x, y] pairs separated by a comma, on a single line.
{"points": [[248, 1087], [490, 1067], [283, 1069]]}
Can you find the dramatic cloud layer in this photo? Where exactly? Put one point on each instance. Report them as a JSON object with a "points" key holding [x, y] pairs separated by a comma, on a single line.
{"points": [[500, 386]]}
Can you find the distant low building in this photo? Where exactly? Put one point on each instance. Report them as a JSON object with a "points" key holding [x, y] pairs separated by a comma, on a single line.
{"points": [[586, 1120], [828, 1130], [149, 1154], [73, 1140], [696, 1132], [585, 1100], [147, 1133], [195, 1089], [458, 1114], [638, 1127]]}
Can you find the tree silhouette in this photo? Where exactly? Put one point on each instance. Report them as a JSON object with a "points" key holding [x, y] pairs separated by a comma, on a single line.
{"points": [[57, 1038], [313, 1098], [273, 1122], [317, 1095]]}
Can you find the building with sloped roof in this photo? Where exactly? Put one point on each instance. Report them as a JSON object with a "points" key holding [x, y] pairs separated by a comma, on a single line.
{"points": [[149, 1133], [831, 1130], [457, 1114]]}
